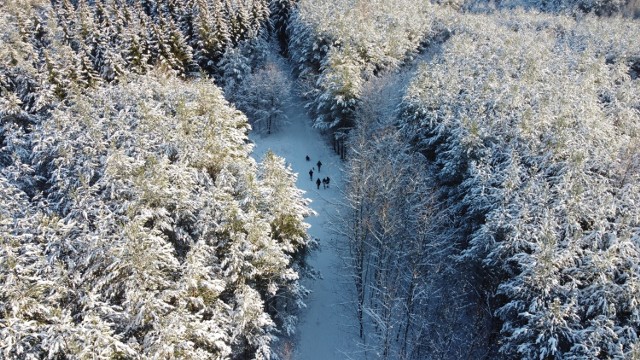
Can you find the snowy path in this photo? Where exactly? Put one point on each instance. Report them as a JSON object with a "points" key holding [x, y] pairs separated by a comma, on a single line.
{"points": [[328, 326], [323, 333]]}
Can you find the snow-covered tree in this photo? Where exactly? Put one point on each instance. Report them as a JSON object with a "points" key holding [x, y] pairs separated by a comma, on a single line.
{"points": [[287, 208], [154, 233], [406, 292], [280, 12], [525, 141], [263, 98], [338, 45]]}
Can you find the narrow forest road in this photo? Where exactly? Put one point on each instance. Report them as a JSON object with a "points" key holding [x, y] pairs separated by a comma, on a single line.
{"points": [[324, 332], [328, 328]]}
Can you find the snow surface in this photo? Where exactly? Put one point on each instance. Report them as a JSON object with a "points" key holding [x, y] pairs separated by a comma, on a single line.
{"points": [[327, 327]]}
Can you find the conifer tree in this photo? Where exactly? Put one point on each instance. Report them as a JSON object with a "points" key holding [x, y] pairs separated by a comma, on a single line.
{"points": [[181, 51], [87, 76]]}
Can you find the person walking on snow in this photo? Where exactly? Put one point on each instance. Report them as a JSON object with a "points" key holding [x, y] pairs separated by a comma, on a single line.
{"points": [[318, 183], [319, 164], [324, 183], [328, 181], [311, 174], [307, 158]]}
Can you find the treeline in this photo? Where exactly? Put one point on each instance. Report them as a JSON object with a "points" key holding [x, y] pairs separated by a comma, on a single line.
{"points": [[408, 302], [133, 222], [491, 211], [626, 8], [337, 46], [530, 124], [185, 36], [51, 49], [155, 234]]}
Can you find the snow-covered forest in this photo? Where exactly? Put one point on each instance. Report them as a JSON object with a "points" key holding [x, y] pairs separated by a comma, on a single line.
{"points": [[487, 205], [134, 222]]}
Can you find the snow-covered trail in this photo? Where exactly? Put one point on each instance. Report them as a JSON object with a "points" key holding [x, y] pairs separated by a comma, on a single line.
{"points": [[328, 328], [323, 332]]}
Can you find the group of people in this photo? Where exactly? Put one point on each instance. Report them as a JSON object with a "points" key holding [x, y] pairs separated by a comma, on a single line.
{"points": [[325, 181]]}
